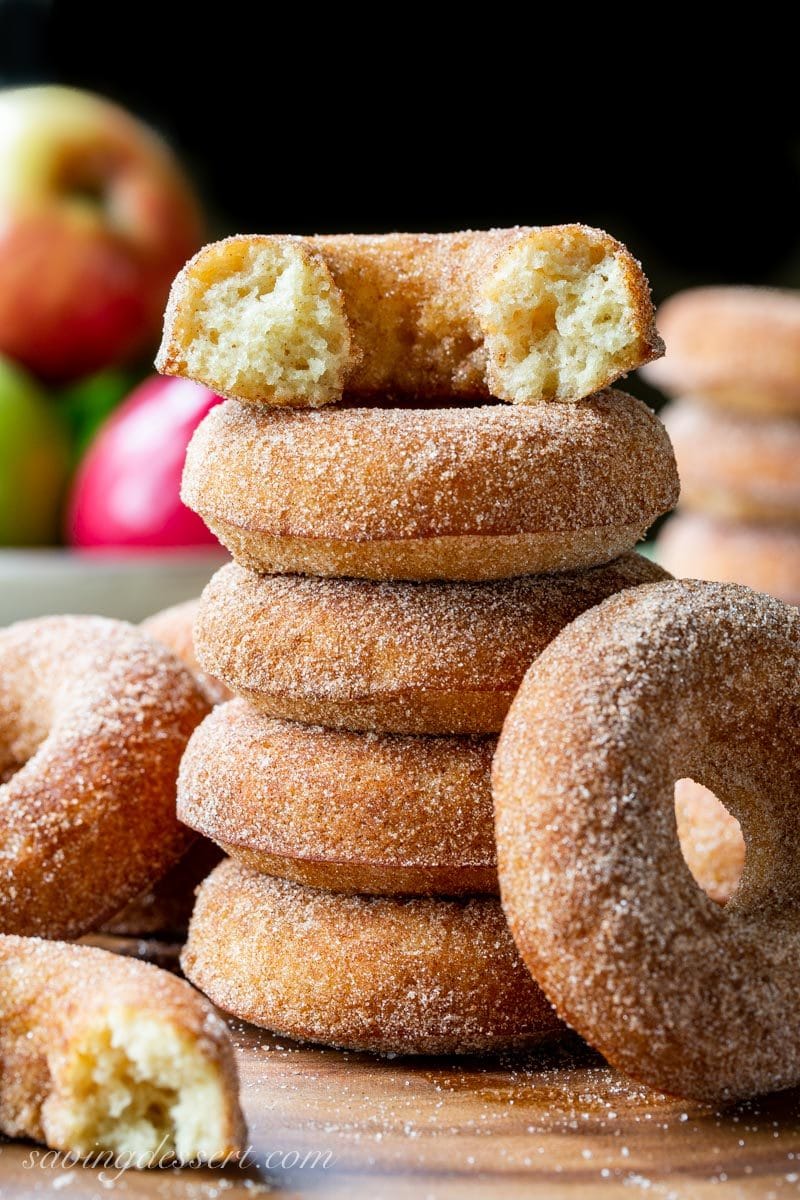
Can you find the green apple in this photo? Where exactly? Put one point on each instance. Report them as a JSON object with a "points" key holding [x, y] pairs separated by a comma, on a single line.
{"points": [[85, 405], [34, 461]]}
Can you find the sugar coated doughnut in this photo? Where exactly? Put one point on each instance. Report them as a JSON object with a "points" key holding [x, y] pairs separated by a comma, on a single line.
{"points": [[738, 347], [94, 718], [164, 909], [393, 657], [173, 628], [102, 1053], [453, 493], [353, 812], [379, 973], [710, 838], [765, 557], [675, 680], [522, 314], [735, 466]]}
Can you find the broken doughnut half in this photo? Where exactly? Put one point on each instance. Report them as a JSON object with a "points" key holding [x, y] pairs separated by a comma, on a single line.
{"points": [[101, 1053], [523, 314]]}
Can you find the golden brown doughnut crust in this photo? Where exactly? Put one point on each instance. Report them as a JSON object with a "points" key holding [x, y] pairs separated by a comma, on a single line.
{"points": [[711, 840], [469, 493], [394, 976], [51, 995], [173, 628], [664, 682], [94, 718], [764, 557], [426, 314], [353, 812], [394, 657], [737, 347], [165, 908], [735, 466]]}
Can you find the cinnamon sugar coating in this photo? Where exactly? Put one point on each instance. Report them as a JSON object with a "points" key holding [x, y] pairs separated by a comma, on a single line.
{"points": [[669, 681], [448, 493], [352, 812], [394, 976], [94, 718], [394, 657]]}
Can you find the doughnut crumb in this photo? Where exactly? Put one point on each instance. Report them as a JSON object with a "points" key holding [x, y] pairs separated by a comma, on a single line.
{"points": [[103, 1053], [259, 319], [561, 313], [522, 315], [138, 1085]]}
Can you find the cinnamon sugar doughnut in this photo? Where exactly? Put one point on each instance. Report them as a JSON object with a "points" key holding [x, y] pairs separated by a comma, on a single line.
{"points": [[710, 838], [737, 347], [165, 908], [392, 657], [448, 493], [670, 681], [173, 627], [414, 976], [352, 812], [94, 718], [765, 557], [734, 466], [103, 1053], [522, 314]]}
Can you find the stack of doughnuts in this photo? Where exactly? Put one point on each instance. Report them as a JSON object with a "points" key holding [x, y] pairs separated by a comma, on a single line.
{"points": [[734, 363], [404, 546]]}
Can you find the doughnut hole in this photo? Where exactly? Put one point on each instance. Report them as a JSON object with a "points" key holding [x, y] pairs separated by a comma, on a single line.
{"points": [[559, 314], [265, 322], [22, 732], [710, 838], [134, 1084]]}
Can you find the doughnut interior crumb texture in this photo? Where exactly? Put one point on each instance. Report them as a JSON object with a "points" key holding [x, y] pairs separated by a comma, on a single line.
{"points": [[561, 316], [522, 314], [135, 1084], [262, 320], [105, 1053]]}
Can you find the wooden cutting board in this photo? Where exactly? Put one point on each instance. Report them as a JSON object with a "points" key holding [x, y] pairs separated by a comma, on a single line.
{"points": [[554, 1123]]}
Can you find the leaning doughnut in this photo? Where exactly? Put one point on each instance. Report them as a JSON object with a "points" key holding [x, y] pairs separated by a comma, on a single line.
{"points": [[710, 838], [737, 347], [458, 493], [173, 627], [765, 557], [734, 466], [351, 812], [165, 908], [669, 681], [418, 976], [94, 718], [522, 314], [103, 1053], [391, 657]]}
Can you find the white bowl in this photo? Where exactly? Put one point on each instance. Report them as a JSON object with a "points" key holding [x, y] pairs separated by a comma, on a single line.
{"points": [[36, 583]]}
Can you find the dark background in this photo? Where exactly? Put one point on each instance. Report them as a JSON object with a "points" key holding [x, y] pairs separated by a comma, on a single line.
{"points": [[284, 130]]}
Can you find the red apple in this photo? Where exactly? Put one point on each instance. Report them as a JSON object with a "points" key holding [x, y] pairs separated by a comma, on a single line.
{"points": [[127, 489], [96, 217]]}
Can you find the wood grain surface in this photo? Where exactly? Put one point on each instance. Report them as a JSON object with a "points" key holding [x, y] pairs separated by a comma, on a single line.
{"points": [[553, 1123]]}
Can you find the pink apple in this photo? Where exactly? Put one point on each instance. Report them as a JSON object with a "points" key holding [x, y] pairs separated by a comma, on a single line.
{"points": [[127, 490], [96, 217]]}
